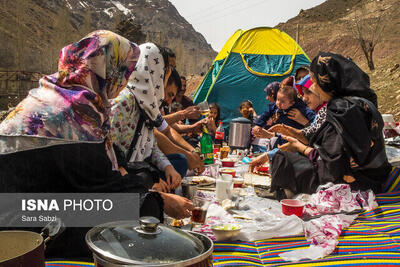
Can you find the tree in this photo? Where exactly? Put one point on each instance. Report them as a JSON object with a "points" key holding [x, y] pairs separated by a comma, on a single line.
{"points": [[368, 32]]}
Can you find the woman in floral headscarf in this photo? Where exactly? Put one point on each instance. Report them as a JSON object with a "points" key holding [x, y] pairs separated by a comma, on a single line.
{"points": [[348, 147], [57, 138]]}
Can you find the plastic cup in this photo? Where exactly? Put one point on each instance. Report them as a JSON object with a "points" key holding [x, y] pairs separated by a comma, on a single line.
{"points": [[204, 108], [292, 206]]}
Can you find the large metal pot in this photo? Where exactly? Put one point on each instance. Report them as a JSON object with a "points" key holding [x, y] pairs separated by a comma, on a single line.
{"points": [[147, 243], [239, 133], [21, 248], [25, 248]]}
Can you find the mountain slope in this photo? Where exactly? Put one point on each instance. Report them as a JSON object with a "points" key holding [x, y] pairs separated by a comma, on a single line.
{"points": [[33, 31], [327, 27]]}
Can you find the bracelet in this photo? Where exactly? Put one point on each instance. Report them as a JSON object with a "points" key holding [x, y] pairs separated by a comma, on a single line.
{"points": [[304, 151]]}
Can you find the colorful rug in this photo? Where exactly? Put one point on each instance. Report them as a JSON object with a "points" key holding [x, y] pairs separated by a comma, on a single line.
{"points": [[372, 240], [68, 264]]}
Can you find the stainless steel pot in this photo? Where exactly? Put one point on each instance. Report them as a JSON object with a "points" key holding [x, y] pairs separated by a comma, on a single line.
{"points": [[147, 243], [239, 133]]}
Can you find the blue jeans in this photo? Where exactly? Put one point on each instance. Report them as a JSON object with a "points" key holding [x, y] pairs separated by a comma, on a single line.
{"points": [[258, 148], [180, 164]]}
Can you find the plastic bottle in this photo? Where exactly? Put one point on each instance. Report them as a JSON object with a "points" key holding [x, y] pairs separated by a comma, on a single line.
{"points": [[206, 147], [219, 134]]}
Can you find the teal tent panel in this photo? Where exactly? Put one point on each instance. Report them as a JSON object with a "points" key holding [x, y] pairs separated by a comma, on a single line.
{"points": [[235, 84], [202, 92], [271, 64]]}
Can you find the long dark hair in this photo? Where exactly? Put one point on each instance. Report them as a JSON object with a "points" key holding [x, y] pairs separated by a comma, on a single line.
{"points": [[216, 106]]}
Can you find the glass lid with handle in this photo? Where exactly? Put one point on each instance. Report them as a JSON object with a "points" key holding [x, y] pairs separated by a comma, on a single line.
{"points": [[143, 241]]}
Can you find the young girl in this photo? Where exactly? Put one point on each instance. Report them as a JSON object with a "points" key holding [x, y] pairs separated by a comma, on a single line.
{"points": [[213, 119], [247, 110]]}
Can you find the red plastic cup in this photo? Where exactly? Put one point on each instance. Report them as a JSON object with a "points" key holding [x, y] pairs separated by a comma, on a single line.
{"points": [[292, 206], [227, 163], [263, 169]]}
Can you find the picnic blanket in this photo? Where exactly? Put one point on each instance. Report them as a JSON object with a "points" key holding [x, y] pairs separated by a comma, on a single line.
{"points": [[372, 239]]}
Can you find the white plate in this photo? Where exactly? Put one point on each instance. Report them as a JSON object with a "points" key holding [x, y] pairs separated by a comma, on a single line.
{"points": [[201, 180]]}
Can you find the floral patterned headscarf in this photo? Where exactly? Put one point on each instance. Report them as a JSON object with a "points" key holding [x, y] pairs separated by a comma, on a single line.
{"points": [[72, 104]]}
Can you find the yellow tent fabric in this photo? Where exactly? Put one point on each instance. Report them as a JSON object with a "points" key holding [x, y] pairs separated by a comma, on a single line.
{"points": [[226, 49]]}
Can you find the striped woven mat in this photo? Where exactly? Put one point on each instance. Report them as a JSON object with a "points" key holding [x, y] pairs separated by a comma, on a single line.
{"points": [[373, 239]]}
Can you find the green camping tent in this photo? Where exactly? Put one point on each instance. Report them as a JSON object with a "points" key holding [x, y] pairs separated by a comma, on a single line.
{"points": [[247, 63]]}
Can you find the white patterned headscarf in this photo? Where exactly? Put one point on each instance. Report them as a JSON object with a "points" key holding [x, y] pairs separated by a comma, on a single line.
{"points": [[145, 88], [147, 80]]}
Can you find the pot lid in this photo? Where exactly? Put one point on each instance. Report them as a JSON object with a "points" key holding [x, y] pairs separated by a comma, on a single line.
{"points": [[241, 120], [146, 241]]}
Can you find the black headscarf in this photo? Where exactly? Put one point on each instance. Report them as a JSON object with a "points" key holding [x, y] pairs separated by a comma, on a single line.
{"points": [[353, 108], [341, 76], [272, 89]]}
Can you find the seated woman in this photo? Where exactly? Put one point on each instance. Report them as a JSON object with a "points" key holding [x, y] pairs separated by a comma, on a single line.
{"points": [[135, 105], [347, 148], [57, 141]]}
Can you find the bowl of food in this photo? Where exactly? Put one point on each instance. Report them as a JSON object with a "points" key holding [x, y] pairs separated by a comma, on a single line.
{"points": [[292, 206], [225, 232], [228, 171], [238, 182], [228, 162]]}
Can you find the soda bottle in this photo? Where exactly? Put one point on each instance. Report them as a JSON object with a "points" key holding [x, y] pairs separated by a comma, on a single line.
{"points": [[219, 134], [206, 146]]}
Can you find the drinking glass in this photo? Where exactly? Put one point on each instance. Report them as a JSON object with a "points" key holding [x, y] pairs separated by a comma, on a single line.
{"points": [[204, 108], [199, 212]]}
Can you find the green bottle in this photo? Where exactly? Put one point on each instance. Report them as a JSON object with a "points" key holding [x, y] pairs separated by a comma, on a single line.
{"points": [[206, 147]]}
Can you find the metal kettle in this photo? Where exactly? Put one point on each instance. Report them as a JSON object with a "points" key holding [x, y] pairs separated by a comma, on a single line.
{"points": [[239, 133]]}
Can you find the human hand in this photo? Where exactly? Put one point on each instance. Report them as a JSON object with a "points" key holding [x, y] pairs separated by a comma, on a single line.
{"points": [[252, 111], [192, 112], [195, 162], [197, 128], [258, 161], [161, 186], [123, 171], [176, 206], [296, 115], [282, 129], [291, 146], [261, 133], [172, 176]]}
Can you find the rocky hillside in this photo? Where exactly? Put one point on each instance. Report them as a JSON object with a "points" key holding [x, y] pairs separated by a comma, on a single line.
{"points": [[33, 31], [328, 27]]}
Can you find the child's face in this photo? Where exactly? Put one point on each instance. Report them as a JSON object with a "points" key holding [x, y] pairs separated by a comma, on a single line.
{"points": [[245, 110], [213, 113], [283, 102]]}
